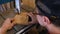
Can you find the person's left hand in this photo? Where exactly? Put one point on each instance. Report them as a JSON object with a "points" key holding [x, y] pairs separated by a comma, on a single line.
{"points": [[7, 24]]}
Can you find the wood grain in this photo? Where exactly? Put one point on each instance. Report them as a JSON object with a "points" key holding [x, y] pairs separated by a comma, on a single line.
{"points": [[30, 3]]}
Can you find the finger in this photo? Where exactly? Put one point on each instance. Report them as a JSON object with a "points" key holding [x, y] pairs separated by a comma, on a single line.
{"points": [[8, 19], [11, 19], [30, 13], [31, 22], [39, 18]]}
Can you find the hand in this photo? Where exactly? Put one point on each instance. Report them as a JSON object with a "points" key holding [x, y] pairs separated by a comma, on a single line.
{"points": [[33, 17], [7, 24]]}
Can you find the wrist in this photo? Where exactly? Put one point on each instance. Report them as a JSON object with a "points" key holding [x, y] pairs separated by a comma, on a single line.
{"points": [[3, 29]]}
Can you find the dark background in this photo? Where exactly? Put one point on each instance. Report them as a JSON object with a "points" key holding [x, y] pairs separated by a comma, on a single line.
{"points": [[5, 1]]}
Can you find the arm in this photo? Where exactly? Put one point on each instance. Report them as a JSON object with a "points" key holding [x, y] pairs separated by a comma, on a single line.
{"points": [[6, 26]]}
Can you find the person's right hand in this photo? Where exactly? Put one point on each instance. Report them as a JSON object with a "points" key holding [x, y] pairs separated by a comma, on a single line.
{"points": [[33, 17]]}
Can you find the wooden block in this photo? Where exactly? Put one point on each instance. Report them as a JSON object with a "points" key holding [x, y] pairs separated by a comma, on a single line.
{"points": [[21, 19], [30, 3]]}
